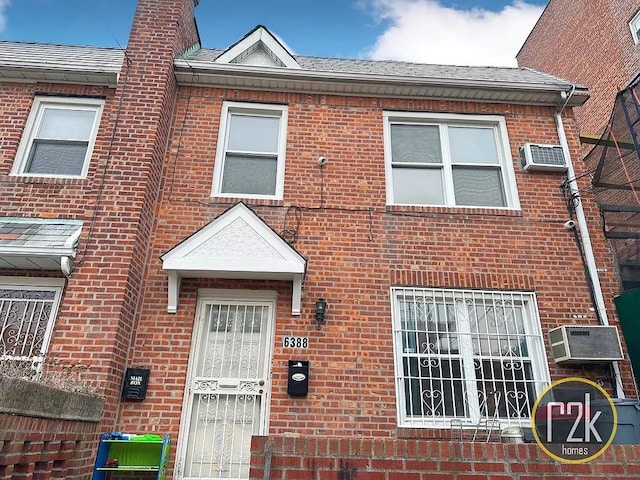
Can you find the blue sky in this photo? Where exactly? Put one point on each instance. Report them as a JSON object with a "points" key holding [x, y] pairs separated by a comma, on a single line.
{"points": [[463, 32]]}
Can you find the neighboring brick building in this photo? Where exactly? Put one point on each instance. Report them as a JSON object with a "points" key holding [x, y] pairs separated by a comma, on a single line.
{"points": [[599, 47], [596, 46], [216, 200]]}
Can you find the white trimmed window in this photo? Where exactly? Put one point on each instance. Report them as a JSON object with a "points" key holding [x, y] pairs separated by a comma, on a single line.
{"points": [[28, 310], [465, 356], [634, 25], [450, 160], [251, 151], [59, 137]]}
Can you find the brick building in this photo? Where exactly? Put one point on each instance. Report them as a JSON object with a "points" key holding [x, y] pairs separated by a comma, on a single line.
{"points": [[599, 47], [214, 216], [596, 46]]}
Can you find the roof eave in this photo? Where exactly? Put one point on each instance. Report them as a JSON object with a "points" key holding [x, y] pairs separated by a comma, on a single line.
{"points": [[267, 78], [74, 75], [27, 251]]}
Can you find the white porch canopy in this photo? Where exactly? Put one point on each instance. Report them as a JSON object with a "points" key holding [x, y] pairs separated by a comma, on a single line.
{"points": [[39, 243], [237, 244]]}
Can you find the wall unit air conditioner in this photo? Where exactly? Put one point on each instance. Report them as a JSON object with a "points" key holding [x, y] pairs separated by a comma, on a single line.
{"points": [[585, 344], [539, 157]]}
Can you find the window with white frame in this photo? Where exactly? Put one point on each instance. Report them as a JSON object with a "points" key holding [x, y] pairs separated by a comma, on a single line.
{"points": [[466, 356], [251, 151], [448, 159], [59, 137], [28, 309], [634, 25]]}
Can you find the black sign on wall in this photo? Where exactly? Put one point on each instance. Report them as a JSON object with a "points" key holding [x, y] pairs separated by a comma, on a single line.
{"points": [[135, 383]]}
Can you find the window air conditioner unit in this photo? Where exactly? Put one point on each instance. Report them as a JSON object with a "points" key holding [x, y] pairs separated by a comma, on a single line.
{"points": [[585, 344], [539, 157]]}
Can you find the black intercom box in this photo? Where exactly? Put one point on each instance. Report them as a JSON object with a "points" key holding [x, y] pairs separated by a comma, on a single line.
{"points": [[135, 383], [298, 382]]}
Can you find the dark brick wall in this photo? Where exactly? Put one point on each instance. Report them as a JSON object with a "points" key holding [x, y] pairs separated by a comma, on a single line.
{"points": [[589, 43]]}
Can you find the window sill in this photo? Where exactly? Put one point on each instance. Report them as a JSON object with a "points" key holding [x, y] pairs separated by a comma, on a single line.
{"points": [[28, 179], [430, 433], [446, 210], [276, 202]]}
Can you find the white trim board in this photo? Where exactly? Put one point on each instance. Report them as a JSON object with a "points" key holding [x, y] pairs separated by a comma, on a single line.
{"points": [[237, 244]]}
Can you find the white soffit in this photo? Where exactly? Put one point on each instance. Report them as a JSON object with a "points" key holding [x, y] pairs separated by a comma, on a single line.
{"points": [[38, 243], [259, 47], [237, 244]]}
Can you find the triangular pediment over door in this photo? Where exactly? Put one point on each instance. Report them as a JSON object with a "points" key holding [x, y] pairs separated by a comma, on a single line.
{"points": [[237, 244]]}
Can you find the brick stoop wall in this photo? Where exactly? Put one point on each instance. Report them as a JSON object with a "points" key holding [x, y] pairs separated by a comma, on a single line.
{"points": [[46, 433], [318, 458], [41, 449]]}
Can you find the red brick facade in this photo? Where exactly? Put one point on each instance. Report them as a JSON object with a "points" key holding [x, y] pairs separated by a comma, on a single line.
{"points": [[149, 188], [400, 459], [118, 197], [354, 256], [590, 46]]}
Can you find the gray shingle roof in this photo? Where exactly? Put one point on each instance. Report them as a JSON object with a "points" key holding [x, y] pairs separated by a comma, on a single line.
{"points": [[407, 69], [38, 243], [101, 66], [67, 63], [37, 233]]}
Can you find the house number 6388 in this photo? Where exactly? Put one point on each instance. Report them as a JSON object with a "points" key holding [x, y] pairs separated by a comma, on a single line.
{"points": [[295, 342]]}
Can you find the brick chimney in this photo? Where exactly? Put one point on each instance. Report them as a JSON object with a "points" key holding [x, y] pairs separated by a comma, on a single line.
{"points": [[141, 111]]}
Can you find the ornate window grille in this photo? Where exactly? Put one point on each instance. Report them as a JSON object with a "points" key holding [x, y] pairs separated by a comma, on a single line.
{"points": [[27, 314], [466, 356]]}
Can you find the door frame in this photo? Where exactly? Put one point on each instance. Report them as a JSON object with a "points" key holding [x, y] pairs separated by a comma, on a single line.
{"points": [[221, 295]]}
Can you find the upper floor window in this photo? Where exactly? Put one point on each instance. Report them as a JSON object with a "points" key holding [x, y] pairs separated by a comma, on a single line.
{"points": [[447, 159], [59, 137], [466, 356], [251, 151], [634, 25]]}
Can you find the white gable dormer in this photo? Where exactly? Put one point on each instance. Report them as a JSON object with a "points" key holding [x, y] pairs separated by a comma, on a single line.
{"points": [[237, 244], [259, 47]]}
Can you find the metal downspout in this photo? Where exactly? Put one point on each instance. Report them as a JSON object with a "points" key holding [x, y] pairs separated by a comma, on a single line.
{"points": [[584, 235]]}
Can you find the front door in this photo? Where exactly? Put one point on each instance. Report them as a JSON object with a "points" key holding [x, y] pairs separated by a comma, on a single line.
{"points": [[227, 389]]}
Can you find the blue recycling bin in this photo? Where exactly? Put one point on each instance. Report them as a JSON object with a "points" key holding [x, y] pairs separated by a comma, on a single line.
{"points": [[628, 410]]}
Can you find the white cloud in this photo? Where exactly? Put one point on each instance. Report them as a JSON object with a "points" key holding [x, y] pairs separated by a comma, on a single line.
{"points": [[4, 4], [427, 32]]}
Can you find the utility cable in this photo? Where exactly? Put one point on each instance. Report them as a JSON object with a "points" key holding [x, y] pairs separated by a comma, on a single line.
{"points": [[105, 168]]}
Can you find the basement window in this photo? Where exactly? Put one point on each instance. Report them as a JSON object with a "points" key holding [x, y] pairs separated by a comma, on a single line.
{"points": [[465, 356], [59, 137]]}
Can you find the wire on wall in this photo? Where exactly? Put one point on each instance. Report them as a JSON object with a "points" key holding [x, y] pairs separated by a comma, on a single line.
{"points": [[194, 78], [105, 168], [321, 183], [291, 227], [573, 200]]}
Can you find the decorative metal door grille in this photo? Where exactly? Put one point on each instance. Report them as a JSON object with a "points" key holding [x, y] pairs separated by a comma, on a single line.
{"points": [[466, 356], [26, 318], [227, 389]]}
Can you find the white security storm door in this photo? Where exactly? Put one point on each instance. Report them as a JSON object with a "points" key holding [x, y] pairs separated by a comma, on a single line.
{"points": [[228, 386]]}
